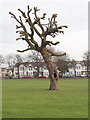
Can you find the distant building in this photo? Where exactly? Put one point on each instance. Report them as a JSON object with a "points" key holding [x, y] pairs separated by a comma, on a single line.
{"points": [[3, 70], [29, 69], [78, 70]]}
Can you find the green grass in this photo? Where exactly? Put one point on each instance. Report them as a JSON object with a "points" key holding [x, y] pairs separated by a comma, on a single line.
{"points": [[30, 98], [0, 98]]}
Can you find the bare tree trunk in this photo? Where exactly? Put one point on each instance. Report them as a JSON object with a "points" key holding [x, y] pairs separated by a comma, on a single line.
{"points": [[12, 72], [38, 72], [52, 70], [18, 72]]}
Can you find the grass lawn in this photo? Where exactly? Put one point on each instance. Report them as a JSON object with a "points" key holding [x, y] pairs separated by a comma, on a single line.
{"points": [[30, 98]]}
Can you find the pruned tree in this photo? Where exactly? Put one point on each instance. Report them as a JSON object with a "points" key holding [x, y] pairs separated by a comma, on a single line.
{"points": [[37, 27]]}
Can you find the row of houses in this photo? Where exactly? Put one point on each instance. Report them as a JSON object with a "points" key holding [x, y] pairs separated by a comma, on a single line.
{"points": [[78, 70], [30, 70], [24, 70]]}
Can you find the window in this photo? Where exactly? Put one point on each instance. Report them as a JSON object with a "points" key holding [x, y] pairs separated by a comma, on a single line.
{"points": [[71, 73], [21, 68], [76, 67], [30, 67], [15, 68], [79, 67], [3, 69], [77, 73], [30, 74]]}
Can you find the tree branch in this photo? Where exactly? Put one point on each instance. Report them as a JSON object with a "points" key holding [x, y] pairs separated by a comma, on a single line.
{"points": [[31, 48], [49, 31], [50, 43], [23, 50], [56, 54], [28, 19], [25, 33]]}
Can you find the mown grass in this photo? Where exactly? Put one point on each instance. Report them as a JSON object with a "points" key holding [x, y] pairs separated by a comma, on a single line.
{"points": [[0, 98], [30, 98]]}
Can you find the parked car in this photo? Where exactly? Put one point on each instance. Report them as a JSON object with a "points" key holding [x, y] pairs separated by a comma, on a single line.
{"points": [[67, 76], [60, 76], [83, 75], [41, 77], [25, 77], [78, 76]]}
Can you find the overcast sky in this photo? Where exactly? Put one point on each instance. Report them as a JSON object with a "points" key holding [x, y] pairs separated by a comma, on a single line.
{"points": [[73, 13]]}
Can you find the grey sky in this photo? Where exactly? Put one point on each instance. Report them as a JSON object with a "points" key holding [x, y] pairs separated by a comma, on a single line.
{"points": [[73, 13]]}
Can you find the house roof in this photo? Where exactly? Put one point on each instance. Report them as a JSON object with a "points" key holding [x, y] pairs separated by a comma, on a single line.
{"points": [[3, 66], [77, 62], [32, 63]]}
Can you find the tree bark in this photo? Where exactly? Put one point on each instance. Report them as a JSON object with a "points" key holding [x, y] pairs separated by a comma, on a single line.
{"points": [[52, 69]]}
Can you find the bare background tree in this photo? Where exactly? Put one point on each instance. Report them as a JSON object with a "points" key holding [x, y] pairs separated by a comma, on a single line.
{"points": [[37, 27], [86, 61], [2, 60], [18, 61], [12, 60], [73, 65], [62, 64], [37, 61]]}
